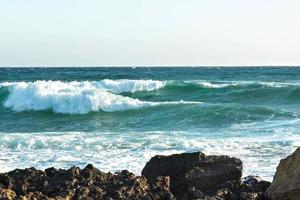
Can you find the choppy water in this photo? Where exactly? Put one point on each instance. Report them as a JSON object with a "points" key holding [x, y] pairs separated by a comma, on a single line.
{"points": [[118, 118]]}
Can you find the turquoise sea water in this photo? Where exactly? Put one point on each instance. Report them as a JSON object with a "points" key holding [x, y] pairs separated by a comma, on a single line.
{"points": [[118, 118]]}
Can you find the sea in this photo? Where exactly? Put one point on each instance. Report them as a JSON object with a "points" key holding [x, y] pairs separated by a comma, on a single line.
{"points": [[119, 117]]}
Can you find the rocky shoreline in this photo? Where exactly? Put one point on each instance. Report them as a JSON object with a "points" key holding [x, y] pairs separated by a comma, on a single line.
{"points": [[187, 176]]}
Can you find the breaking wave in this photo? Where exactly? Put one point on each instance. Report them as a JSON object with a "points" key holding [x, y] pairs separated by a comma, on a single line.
{"points": [[80, 97], [225, 84]]}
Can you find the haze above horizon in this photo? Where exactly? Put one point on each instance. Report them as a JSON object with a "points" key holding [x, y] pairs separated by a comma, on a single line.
{"points": [[149, 33]]}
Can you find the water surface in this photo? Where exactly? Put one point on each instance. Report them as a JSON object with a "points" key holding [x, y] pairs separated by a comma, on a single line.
{"points": [[118, 118]]}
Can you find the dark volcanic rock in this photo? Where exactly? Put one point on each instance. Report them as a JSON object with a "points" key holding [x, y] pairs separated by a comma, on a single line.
{"points": [[231, 190], [197, 176], [193, 170], [286, 183], [74, 183], [190, 176], [255, 184]]}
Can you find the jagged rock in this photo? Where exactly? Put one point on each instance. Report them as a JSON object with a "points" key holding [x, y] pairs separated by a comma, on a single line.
{"points": [[197, 176], [6, 194], [193, 170], [286, 183], [74, 183], [232, 190], [190, 176], [35, 196], [255, 184]]}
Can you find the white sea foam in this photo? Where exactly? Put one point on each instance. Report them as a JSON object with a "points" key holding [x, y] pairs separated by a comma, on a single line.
{"points": [[206, 84], [116, 151], [67, 98], [224, 84], [115, 86], [125, 85], [79, 97]]}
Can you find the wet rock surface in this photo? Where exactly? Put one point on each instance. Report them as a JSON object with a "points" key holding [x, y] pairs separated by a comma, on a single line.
{"points": [[76, 183], [197, 176], [286, 183]]}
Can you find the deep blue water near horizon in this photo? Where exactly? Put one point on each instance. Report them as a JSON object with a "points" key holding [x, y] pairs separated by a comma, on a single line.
{"points": [[117, 118]]}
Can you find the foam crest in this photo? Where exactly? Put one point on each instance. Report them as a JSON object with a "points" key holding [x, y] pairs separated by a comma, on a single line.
{"points": [[67, 98], [125, 85], [206, 84], [224, 84], [76, 97], [115, 86]]}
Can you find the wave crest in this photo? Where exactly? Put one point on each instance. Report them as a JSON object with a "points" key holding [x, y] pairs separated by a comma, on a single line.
{"points": [[125, 85], [78, 97], [225, 84]]}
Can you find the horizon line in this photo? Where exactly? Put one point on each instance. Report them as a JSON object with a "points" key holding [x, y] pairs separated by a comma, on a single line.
{"points": [[147, 66]]}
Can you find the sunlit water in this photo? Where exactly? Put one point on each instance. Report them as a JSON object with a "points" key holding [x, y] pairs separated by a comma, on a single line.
{"points": [[118, 118]]}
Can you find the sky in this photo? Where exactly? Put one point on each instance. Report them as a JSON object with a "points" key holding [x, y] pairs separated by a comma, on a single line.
{"points": [[149, 32]]}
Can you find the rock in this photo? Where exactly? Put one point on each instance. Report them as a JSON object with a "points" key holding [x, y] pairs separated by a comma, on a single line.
{"points": [[35, 196], [189, 176], [74, 183], [255, 184], [192, 193], [286, 183], [197, 176], [193, 170], [6, 194]]}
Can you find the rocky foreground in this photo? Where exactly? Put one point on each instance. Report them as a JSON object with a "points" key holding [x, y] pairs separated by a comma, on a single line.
{"points": [[187, 176]]}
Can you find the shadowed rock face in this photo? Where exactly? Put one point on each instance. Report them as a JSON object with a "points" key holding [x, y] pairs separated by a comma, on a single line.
{"points": [[190, 176], [197, 176], [286, 183], [74, 183]]}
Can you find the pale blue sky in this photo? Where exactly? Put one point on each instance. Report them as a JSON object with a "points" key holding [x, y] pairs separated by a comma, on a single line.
{"points": [[152, 32]]}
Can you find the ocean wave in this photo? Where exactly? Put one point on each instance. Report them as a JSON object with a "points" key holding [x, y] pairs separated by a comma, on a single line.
{"points": [[115, 86], [206, 84], [111, 95], [126, 85], [225, 84], [132, 86], [78, 97], [117, 151]]}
